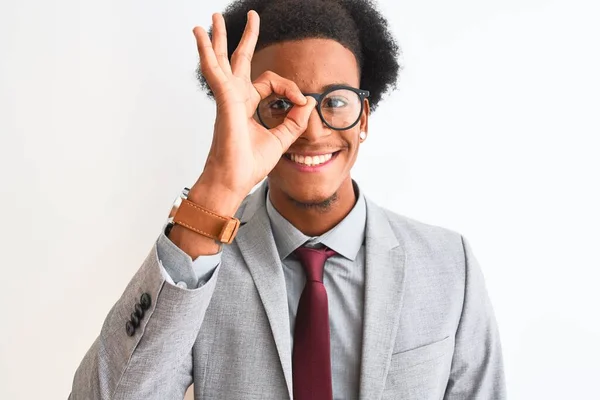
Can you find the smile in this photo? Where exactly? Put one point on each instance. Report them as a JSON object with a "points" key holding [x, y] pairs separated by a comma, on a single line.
{"points": [[312, 160]]}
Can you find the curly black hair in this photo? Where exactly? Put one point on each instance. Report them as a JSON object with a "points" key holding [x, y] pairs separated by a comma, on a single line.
{"points": [[356, 24]]}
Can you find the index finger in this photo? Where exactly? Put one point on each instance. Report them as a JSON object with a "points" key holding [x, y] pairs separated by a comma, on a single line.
{"points": [[269, 82], [241, 58]]}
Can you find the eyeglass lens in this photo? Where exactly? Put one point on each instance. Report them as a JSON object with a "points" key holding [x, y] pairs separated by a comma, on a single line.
{"points": [[340, 109]]}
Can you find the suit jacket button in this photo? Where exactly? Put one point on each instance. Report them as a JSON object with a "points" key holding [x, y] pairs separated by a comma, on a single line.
{"points": [[145, 301], [129, 328], [135, 321], [139, 311]]}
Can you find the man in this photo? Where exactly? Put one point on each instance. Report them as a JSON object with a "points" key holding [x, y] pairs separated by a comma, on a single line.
{"points": [[305, 288]]}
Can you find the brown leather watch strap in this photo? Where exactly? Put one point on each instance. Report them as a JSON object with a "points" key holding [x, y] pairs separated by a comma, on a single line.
{"points": [[206, 222]]}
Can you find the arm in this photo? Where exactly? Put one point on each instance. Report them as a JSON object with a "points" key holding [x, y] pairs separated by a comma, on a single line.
{"points": [[155, 362], [180, 268], [477, 366], [141, 366]]}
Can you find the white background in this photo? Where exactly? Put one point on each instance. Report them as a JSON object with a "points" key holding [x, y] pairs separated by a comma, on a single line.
{"points": [[493, 132]]}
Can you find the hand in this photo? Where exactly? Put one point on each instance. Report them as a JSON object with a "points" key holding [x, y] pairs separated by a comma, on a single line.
{"points": [[243, 152]]}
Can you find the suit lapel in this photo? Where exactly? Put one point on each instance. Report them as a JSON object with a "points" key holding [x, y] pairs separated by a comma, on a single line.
{"points": [[257, 245], [384, 279]]}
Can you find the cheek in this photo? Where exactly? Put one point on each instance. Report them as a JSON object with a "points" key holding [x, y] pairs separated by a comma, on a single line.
{"points": [[353, 156], [353, 144], [351, 151]]}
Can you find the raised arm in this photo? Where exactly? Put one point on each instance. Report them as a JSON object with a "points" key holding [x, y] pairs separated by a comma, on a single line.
{"points": [[144, 350]]}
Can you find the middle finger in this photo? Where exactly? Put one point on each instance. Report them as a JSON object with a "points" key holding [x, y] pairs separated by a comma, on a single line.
{"points": [[242, 56], [219, 42]]}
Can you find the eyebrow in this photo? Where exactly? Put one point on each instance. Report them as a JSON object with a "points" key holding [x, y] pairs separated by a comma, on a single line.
{"points": [[323, 89], [329, 86]]}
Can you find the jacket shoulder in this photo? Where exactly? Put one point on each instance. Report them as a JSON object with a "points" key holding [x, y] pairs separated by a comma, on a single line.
{"points": [[425, 237]]}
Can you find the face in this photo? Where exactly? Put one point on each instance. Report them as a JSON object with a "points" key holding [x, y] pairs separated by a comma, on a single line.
{"points": [[314, 64]]}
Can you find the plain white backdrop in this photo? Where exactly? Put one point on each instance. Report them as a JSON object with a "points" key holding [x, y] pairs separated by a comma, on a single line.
{"points": [[493, 132]]}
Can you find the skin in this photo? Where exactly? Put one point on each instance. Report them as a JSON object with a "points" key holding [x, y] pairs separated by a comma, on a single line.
{"points": [[243, 152], [314, 202]]}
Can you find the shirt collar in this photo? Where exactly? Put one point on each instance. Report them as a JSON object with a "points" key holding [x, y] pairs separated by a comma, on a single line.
{"points": [[345, 238]]}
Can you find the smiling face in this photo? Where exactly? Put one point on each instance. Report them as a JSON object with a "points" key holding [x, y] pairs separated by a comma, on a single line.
{"points": [[316, 169]]}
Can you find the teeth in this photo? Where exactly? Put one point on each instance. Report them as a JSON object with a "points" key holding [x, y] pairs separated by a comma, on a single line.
{"points": [[310, 160]]}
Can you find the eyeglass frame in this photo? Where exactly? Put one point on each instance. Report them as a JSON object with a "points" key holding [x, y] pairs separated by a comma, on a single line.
{"points": [[362, 94]]}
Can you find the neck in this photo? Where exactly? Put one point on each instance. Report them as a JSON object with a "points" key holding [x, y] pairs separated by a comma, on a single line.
{"points": [[314, 220]]}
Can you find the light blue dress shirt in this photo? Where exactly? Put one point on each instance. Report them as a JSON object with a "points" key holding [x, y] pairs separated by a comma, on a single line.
{"points": [[343, 278]]}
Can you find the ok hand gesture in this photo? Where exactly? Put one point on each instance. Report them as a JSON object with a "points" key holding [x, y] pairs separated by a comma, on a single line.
{"points": [[243, 152]]}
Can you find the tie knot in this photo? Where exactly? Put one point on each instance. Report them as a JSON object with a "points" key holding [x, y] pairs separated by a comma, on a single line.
{"points": [[313, 261]]}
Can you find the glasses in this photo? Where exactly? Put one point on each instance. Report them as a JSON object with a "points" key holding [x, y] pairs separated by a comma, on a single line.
{"points": [[339, 107]]}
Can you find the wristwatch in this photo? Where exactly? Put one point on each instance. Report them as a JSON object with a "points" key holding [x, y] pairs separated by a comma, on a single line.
{"points": [[200, 220]]}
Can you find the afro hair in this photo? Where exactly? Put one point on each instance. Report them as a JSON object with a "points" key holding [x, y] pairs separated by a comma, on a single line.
{"points": [[356, 24]]}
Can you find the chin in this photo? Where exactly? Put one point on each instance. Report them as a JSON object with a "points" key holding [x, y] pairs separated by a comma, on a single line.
{"points": [[310, 192], [312, 198], [307, 193]]}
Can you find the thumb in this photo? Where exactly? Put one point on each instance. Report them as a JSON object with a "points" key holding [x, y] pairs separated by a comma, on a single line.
{"points": [[295, 123]]}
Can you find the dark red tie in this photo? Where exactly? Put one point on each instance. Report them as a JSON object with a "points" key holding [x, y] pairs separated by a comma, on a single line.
{"points": [[311, 361]]}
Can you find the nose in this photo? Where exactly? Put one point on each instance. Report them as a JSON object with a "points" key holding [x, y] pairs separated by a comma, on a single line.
{"points": [[316, 128]]}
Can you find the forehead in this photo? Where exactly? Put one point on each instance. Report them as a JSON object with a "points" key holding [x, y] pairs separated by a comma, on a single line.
{"points": [[311, 63]]}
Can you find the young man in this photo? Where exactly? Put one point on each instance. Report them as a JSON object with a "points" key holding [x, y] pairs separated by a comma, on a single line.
{"points": [[305, 288]]}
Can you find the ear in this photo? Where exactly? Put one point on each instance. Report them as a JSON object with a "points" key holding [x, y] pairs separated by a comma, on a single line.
{"points": [[364, 119]]}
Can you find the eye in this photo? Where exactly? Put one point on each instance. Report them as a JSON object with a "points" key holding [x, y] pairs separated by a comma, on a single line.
{"points": [[335, 102], [280, 105]]}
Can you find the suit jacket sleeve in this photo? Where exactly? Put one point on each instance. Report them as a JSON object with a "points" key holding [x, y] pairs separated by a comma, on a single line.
{"points": [[180, 268], [156, 362], [477, 365]]}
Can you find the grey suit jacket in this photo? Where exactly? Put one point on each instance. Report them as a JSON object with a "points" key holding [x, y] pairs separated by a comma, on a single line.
{"points": [[429, 328]]}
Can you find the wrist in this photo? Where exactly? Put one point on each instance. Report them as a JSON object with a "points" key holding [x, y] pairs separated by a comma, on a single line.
{"points": [[215, 198]]}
